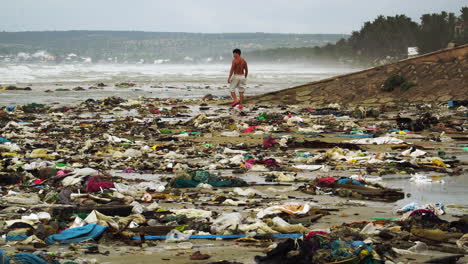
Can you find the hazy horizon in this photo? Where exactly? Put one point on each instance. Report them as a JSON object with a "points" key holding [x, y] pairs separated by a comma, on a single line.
{"points": [[210, 16], [184, 32]]}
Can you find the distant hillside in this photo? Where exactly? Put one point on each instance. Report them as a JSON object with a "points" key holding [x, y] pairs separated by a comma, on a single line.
{"points": [[134, 46]]}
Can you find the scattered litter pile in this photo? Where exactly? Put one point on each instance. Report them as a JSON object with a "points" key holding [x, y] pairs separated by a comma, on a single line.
{"points": [[114, 177], [356, 189]]}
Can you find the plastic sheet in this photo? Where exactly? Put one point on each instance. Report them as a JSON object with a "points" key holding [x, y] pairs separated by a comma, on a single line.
{"points": [[76, 235], [292, 208]]}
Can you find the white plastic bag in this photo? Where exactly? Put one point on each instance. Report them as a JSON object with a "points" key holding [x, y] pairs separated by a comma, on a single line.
{"points": [[377, 141], [137, 208], [247, 192], [420, 247], [175, 236], [284, 227], [370, 229], [230, 134], [308, 167], [229, 221], [289, 208], [133, 153]]}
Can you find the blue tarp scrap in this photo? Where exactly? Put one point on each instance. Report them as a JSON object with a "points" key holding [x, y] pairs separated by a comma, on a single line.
{"points": [[349, 181], [23, 258], [4, 259], [4, 140], [77, 234], [15, 237], [27, 258]]}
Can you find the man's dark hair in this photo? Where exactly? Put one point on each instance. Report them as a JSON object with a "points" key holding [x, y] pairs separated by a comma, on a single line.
{"points": [[238, 51]]}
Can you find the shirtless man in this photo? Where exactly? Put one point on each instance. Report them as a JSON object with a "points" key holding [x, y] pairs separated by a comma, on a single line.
{"points": [[238, 77]]}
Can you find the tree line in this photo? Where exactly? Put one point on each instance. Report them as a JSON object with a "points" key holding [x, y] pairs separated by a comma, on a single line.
{"points": [[382, 40]]}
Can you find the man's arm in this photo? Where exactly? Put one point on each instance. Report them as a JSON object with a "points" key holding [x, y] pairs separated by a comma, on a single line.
{"points": [[246, 70], [231, 72]]}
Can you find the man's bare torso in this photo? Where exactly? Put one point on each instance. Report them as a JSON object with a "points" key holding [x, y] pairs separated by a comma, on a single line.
{"points": [[239, 66]]}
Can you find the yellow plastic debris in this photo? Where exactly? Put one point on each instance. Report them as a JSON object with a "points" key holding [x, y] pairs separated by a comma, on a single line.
{"points": [[41, 153], [9, 154], [439, 163]]}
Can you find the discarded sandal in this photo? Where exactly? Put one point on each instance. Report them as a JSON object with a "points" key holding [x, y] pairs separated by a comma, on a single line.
{"points": [[199, 256]]}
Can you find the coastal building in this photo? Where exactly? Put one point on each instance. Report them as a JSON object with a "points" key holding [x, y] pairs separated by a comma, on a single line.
{"points": [[460, 28]]}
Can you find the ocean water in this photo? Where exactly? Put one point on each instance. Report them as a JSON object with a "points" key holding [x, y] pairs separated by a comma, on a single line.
{"points": [[152, 80]]}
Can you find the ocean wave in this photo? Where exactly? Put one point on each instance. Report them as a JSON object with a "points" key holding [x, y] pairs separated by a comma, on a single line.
{"points": [[72, 73]]}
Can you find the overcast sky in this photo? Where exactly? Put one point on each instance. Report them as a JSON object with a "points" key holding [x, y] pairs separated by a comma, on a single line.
{"points": [[212, 16]]}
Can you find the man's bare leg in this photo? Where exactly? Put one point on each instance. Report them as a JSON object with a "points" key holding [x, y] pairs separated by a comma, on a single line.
{"points": [[234, 97], [241, 99]]}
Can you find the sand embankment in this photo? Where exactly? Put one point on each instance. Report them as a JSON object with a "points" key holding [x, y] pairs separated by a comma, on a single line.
{"points": [[439, 77]]}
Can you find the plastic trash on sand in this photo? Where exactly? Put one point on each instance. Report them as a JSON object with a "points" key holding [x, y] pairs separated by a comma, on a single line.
{"points": [[226, 222], [377, 141], [269, 142], [293, 120], [234, 151], [259, 227], [10, 147], [232, 202], [76, 235], [419, 248], [259, 168], [463, 242], [230, 134], [407, 208], [43, 216], [77, 175], [437, 208], [281, 177], [97, 218], [173, 155], [439, 163], [37, 217], [137, 190], [370, 229], [32, 217], [204, 186], [133, 153], [237, 160], [193, 213], [420, 178], [308, 167], [413, 153], [292, 209], [175, 236], [286, 228], [247, 192], [41, 153], [22, 199], [114, 139], [137, 208]]}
